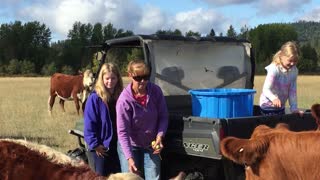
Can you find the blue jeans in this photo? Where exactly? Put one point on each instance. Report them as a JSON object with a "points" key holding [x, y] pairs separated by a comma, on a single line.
{"points": [[147, 163], [101, 165]]}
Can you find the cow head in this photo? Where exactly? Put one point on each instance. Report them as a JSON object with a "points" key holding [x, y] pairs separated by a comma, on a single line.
{"points": [[244, 151], [250, 151], [315, 112], [88, 80]]}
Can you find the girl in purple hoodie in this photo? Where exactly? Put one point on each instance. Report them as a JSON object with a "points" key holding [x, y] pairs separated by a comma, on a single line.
{"points": [[142, 117]]}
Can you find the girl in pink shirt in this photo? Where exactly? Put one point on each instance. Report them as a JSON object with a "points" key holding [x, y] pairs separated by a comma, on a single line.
{"points": [[281, 81]]}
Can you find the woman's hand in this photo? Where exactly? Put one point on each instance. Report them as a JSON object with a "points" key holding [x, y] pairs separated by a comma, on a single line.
{"points": [[101, 151], [276, 103], [132, 166], [157, 146]]}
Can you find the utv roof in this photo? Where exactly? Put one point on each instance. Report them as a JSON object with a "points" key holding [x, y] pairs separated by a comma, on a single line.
{"points": [[137, 39]]}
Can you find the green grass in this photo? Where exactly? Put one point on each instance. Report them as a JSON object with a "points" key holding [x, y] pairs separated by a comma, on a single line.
{"points": [[24, 110]]}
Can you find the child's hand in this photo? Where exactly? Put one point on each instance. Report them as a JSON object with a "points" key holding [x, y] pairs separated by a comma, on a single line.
{"points": [[276, 103], [101, 151], [298, 112]]}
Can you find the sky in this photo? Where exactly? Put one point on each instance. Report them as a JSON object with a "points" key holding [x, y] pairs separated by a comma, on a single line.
{"points": [[148, 16]]}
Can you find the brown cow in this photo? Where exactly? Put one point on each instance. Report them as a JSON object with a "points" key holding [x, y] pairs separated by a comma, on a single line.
{"points": [[51, 154], [68, 87], [276, 154], [19, 162]]}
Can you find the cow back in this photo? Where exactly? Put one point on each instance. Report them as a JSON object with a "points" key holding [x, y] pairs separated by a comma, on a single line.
{"points": [[65, 85], [19, 162]]}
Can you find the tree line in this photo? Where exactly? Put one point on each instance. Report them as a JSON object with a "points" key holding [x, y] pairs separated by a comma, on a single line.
{"points": [[25, 49]]}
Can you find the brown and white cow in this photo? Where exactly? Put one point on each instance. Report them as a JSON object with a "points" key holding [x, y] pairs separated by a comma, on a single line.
{"points": [[276, 154], [20, 162], [51, 154], [68, 87]]}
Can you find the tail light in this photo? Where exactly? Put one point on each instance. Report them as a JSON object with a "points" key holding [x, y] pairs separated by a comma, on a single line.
{"points": [[222, 134]]}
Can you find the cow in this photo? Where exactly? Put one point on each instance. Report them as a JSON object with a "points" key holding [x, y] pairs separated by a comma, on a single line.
{"points": [[276, 153], [20, 162], [69, 87], [51, 154]]}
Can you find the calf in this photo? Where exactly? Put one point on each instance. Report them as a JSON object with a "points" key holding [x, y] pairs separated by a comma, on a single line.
{"points": [[68, 87], [20, 162], [275, 154]]}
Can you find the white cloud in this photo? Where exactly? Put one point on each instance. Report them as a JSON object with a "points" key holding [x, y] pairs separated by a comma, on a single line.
{"points": [[60, 15], [152, 19], [123, 14], [313, 15], [200, 20], [268, 7]]}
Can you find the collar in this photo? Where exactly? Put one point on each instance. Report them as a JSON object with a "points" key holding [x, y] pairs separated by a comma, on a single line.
{"points": [[284, 70]]}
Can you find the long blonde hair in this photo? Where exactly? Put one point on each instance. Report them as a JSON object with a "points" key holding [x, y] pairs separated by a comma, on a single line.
{"points": [[288, 49], [101, 89], [138, 67]]}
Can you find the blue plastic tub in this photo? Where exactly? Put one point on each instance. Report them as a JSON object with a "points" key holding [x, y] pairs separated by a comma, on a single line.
{"points": [[222, 102]]}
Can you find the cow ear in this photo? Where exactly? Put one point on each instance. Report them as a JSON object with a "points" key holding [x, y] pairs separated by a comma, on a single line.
{"points": [[315, 111], [243, 151]]}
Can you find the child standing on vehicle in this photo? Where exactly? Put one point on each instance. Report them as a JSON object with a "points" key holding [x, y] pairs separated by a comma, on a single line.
{"points": [[100, 133], [281, 81]]}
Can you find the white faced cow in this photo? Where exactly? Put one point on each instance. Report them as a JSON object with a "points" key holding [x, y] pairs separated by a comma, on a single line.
{"points": [[68, 87]]}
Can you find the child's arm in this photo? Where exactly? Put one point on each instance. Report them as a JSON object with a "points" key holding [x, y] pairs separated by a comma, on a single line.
{"points": [[269, 83]]}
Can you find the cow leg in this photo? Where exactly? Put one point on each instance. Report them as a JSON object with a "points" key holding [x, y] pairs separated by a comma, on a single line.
{"points": [[51, 102], [61, 102], [76, 102]]}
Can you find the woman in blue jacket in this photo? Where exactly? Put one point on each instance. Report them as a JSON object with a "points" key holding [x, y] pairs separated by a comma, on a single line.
{"points": [[100, 132]]}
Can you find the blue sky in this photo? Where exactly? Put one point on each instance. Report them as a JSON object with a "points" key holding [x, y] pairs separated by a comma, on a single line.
{"points": [[148, 16]]}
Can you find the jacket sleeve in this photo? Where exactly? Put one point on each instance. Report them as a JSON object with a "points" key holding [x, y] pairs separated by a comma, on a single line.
{"points": [[124, 116], [163, 114], [90, 124], [269, 83]]}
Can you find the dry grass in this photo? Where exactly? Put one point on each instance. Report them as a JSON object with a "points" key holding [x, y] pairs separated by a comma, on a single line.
{"points": [[24, 110]]}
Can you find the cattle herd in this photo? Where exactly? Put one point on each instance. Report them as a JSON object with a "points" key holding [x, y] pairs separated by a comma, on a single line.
{"points": [[270, 153]]}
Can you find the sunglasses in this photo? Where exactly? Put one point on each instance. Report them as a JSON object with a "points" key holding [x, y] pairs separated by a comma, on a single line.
{"points": [[139, 78]]}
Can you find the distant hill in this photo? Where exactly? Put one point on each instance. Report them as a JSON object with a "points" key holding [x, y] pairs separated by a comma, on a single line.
{"points": [[308, 32]]}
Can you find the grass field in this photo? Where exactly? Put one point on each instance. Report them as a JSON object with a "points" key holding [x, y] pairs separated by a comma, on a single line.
{"points": [[24, 110]]}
